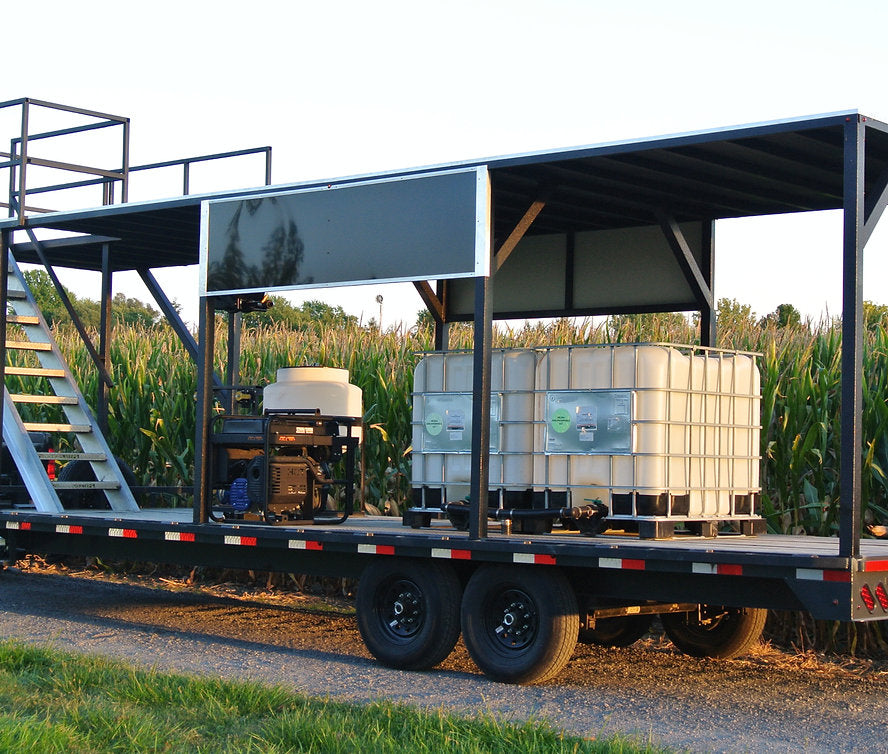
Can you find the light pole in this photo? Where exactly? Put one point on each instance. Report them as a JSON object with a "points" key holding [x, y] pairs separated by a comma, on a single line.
{"points": [[379, 301]]}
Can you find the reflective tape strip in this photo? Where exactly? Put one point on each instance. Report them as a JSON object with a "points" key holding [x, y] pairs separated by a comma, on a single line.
{"points": [[66, 529], [179, 536], [809, 574], [817, 574], [533, 559], [235, 540], [376, 549], [22, 525], [876, 565], [627, 564], [702, 567], [126, 533], [305, 544], [729, 569], [450, 554]]}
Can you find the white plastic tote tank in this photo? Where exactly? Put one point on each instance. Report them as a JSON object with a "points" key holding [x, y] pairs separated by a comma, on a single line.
{"points": [[442, 428], [685, 429]]}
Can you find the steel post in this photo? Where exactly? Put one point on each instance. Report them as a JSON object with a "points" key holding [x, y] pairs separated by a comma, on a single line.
{"points": [[5, 246], [852, 341], [232, 374], [707, 267], [480, 476], [206, 341], [104, 339]]}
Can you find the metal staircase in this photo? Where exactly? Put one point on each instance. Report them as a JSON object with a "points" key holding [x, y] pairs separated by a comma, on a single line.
{"points": [[60, 390]]}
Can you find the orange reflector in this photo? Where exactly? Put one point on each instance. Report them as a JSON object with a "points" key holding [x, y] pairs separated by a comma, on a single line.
{"points": [[882, 596], [867, 596]]}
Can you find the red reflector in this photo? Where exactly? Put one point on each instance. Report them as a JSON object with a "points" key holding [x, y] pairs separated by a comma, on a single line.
{"points": [[51, 467], [867, 596], [882, 596]]}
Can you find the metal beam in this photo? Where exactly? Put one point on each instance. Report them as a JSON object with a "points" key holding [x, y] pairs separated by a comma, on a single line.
{"points": [[480, 476], [442, 328], [874, 206], [707, 311], [521, 227], [685, 258], [852, 341], [5, 244], [430, 299], [206, 337], [104, 338]]}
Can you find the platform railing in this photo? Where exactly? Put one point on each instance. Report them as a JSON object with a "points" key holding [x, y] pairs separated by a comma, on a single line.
{"points": [[20, 158]]}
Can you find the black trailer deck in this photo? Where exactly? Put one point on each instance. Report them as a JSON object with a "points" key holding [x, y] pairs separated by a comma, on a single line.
{"points": [[766, 571]]}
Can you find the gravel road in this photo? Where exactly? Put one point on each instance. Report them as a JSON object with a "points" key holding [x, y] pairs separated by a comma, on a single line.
{"points": [[768, 702]]}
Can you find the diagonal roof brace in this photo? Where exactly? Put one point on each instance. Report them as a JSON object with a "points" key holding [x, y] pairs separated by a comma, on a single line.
{"points": [[685, 258], [874, 206], [521, 227], [431, 300]]}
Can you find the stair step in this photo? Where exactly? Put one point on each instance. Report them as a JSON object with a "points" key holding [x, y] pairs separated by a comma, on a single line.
{"points": [[35, 372], [16, 294], [65, 456], [86, 485], [27, 345], [22, 319], [41, 427], [46, 400]]}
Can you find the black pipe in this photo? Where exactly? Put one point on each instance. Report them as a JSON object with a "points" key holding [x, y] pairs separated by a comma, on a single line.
{"points": [[530, 514]]}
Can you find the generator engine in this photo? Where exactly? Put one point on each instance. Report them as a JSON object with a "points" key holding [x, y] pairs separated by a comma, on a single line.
{"points": [[278, 468]]}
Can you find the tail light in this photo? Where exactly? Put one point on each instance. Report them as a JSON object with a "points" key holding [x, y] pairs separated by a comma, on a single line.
{"points": [[882, 596], [867, 596]]}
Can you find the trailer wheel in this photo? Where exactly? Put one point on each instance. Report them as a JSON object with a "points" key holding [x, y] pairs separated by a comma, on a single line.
{"points": [[408, 612], [82, 471], [617, 632], [519, 624], [719, 632]]}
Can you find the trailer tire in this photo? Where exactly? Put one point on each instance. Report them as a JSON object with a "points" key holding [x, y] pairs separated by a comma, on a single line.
{"points": [[408, 612], [82, 471], [617, 632], [520, 624], [718, 632]]}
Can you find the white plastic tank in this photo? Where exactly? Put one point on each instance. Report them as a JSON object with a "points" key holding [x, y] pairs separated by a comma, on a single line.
{"points": [[323, 389], [694, 415], [442, 406]]}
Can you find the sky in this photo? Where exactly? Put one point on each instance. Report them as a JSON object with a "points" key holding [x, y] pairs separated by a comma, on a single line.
{"points": [[344, 87]]}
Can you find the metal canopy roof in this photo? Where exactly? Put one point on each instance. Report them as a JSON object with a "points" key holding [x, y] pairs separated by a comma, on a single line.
{"points": [[771, 168]]}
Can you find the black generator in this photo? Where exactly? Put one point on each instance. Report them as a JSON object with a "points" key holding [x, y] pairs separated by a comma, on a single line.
{"points": [[279, 468]]}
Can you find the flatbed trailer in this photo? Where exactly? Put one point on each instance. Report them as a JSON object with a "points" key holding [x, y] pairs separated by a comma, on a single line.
{"points": [[519, 600]]}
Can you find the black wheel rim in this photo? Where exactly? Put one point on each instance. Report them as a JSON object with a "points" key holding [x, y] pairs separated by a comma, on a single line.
{"points": [[401, 609], [511, 620]]}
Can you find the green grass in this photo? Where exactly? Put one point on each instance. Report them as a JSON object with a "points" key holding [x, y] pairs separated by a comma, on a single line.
{"points": [[56, 702]]}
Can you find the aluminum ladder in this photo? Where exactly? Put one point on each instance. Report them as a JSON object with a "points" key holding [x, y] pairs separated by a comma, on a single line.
{"points": [[79, 420]]}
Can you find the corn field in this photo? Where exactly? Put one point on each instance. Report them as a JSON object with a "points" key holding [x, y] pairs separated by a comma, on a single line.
{"points": [[152, 409]]}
